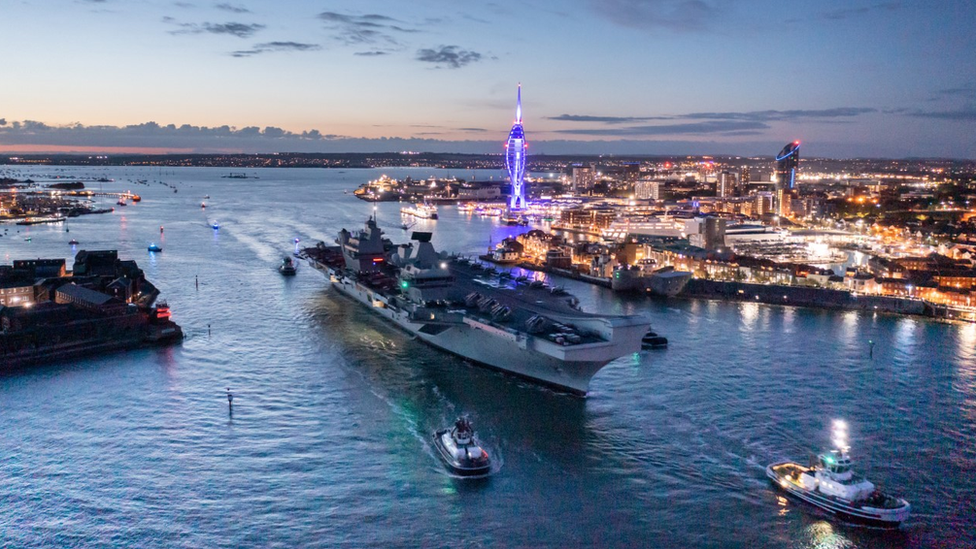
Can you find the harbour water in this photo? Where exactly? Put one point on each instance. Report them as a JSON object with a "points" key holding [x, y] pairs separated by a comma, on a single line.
{"points": [[329, 442]]}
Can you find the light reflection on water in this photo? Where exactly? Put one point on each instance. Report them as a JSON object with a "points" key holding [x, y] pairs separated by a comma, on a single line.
{"points": [[329, 441]]}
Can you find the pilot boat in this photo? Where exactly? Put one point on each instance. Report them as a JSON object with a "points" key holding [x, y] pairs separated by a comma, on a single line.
{"points": [[832, 485], [459, 451], [287, 267]]}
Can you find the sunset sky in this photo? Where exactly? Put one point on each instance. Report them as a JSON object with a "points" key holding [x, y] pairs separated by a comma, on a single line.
{"points": [[848, 78]]}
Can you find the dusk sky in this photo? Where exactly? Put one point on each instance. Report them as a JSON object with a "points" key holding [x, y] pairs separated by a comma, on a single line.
{"points": [[847, 78]]}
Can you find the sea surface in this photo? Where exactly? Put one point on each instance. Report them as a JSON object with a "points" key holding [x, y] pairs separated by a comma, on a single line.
{"points": [[329, 442]]}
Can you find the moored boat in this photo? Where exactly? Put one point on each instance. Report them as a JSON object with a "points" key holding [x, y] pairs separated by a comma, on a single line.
{"points": [[653, 341], [459, 451], [422, 211], [832, 485]]}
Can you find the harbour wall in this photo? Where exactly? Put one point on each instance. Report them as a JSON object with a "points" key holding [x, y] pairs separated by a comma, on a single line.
{"points": [[803, 297]]}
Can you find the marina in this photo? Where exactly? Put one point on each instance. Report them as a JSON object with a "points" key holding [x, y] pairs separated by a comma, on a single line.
{"points": [[334, 408]]}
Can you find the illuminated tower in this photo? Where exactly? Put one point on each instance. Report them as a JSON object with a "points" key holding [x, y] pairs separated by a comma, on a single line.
{"points": [[787, 162], [515, 157]]}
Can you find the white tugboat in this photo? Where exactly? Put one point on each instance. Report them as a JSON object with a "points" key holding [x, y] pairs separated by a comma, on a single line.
{"points": [[459, 451], [832, 485]]}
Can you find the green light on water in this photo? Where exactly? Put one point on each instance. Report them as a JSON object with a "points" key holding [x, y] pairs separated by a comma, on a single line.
{"points": [[404, 284]]}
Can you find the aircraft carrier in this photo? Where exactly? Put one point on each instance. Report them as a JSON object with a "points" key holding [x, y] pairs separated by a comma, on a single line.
{"points": [[511, 324]]}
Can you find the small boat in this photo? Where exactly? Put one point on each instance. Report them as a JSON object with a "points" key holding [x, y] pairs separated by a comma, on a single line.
{"points": [[73, 242], [459, 451], [831, 485], [287, 267], [215, 225], [121, 202], [207, 197], [154, 248], [203, 204], [653, 341]]}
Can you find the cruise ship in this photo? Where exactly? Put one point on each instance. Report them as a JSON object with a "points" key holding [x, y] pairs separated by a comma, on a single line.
{"points": [[422, 210], [509, 324]]}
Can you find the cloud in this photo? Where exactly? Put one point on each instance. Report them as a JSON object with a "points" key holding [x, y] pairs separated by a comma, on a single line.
{"points": [[452, 56], [240, 30], [676, 15], [374, 53], [153, 135], [772, 115], [371, 28], [961, 115], [471, 129], [847, 13], [268, 47], [3, 121], [232, 8], [965, 92], [605, 119], [821, 115], [691, 128]]}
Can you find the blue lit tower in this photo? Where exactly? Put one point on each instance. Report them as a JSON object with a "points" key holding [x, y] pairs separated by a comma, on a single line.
{"points": [[515, 157], [787, 162]]}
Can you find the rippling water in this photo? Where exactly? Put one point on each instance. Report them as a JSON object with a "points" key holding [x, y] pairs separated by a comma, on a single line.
{"points": [[329, 441]]}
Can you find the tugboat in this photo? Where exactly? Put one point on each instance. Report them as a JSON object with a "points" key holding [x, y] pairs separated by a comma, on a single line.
{"points": [[459, 451], [287, 267], [831, 485], [154, 248]]}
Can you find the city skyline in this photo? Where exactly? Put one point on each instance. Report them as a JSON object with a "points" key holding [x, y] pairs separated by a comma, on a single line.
{"points": [[848, 79]]}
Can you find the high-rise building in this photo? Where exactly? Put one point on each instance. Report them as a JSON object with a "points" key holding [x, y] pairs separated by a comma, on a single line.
{"points": [[726, 185], [787, 162], [515, 157], [646, 189], [583, 178]]}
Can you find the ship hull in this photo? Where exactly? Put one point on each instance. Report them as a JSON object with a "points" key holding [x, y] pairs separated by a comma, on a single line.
{"points": [[512, 353], [879, 518]]}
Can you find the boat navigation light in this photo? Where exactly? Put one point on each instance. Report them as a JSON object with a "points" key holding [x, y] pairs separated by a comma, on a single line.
{"points": [[840, 435]]}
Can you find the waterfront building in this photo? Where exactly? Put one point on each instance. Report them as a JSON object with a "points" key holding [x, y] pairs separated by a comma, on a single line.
{"points": [[515, 157]]}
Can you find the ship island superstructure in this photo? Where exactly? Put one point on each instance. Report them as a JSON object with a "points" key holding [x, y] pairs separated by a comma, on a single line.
{"points": [[514, 325]]}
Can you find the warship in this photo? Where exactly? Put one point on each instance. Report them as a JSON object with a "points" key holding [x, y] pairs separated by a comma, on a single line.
{"points": [[514, 325]]}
